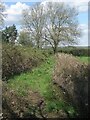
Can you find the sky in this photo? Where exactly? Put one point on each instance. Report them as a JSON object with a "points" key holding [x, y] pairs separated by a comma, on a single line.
{"points": [[14, 9]]}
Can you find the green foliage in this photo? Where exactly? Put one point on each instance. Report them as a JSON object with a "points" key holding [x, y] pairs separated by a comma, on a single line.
{"points": [[17, 59], [9, 35]]}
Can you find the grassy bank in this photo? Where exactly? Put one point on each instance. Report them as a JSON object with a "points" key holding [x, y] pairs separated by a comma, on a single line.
{"points": [[40, 79]]}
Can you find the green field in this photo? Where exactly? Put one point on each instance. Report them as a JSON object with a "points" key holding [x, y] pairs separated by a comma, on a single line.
{"points": [[84, 59]]}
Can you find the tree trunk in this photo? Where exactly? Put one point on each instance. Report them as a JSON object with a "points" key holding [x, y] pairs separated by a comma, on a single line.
{"points": [[55, 48], [38, 46]]}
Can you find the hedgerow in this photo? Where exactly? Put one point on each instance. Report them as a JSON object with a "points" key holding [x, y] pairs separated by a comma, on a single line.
{"points": [[71, 76], [17, 59]]}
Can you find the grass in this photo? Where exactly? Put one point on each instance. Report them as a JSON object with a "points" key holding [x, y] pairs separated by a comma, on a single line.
{"points": [[40, 79], [84, 59]]}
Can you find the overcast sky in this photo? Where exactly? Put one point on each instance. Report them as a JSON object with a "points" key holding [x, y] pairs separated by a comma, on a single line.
{"points": [[15, 7]]}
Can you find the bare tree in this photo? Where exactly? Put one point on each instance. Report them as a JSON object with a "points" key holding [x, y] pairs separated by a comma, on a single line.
{"points": [[61, 25], [33, 21], [57, 24]]}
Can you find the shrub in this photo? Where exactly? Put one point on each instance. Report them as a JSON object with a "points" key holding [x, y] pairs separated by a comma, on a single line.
{"points": [[72, 77], [17, 59]]}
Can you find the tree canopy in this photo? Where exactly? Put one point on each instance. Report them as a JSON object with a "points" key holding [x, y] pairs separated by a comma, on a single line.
{"points": [[9, 34], [55, 25]]}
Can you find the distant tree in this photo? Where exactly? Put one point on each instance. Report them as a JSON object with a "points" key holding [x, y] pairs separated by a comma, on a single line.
{"points": [[24, 38], [9, 35], [61, 25], [33, 21]]}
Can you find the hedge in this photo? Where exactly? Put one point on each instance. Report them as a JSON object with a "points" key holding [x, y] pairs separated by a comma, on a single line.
{"points": [[17, 59], [71, 76]]}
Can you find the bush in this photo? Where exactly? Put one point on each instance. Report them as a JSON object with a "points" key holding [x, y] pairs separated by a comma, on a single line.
{"points": [[17, 59], [72, 77]]}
